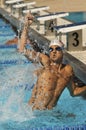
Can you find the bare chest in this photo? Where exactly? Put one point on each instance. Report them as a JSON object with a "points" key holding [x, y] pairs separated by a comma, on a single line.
{"points": [[50, 78]]}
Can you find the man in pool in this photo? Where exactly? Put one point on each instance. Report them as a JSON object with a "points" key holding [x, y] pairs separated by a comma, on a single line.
{"points": [[53, 77], [12, 41], [15, 41]]}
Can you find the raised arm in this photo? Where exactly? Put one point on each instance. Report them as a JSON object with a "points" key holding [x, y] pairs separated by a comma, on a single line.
{"points": [[31, 54], [24, 36]]}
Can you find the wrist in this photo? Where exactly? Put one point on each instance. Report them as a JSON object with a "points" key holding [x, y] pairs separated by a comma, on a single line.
{"points": [[23, 51]]}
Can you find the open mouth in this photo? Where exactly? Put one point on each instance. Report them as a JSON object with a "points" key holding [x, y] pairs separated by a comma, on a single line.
{"points": [[54, 55]]}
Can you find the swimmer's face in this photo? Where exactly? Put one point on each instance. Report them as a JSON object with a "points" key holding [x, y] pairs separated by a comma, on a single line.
{"points": [[56, 53]]}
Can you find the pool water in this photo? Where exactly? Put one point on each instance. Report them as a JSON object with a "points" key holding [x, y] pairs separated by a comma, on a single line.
{"points": [[16, 82], [76, 17]]}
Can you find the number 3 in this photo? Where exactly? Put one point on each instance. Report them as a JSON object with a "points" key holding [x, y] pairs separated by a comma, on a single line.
{"points": [[76, 36]]}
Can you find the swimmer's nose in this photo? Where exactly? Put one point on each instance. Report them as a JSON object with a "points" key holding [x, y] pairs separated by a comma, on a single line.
{"points": [[54, 51]]}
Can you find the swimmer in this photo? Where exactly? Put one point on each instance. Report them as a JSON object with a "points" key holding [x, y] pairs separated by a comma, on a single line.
{"points": [[53, 77], [15, 41], [12, 41]]}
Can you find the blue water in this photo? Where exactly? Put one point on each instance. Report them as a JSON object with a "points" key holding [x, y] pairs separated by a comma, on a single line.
{"points": [[16, 83], [76, 17]]}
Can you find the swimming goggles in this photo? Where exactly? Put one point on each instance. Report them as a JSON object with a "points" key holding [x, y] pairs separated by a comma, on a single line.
{"points": [[57, 49]]}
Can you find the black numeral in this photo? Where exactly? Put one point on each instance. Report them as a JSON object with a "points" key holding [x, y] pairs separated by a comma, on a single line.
{"points": [[76, 36]]}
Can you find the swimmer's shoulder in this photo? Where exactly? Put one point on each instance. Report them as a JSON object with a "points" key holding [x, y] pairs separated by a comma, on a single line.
{"points": [[44, 56], [68, 68]]}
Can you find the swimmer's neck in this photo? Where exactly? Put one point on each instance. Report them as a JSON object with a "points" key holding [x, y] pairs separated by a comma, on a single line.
{"points": [[55, 64]]}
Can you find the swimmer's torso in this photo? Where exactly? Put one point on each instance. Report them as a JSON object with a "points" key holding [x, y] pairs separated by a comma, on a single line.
{"points": [[50, 84], [51, 76], [48, 78]]}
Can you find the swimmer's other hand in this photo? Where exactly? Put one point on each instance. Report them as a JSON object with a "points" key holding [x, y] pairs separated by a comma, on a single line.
{"points": [[29, 18]]}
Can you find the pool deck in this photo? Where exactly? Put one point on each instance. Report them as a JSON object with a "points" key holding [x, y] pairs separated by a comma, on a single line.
{"points": [[76, 59], [80, 55], [63, 5]]}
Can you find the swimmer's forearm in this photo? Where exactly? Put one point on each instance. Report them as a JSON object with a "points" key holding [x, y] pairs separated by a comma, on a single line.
{"points": [[78, 90], [52, 103], [33, 97], [28, 21], [24, 37]]}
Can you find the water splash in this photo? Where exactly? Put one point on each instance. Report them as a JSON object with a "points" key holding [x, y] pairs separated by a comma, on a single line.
{"points": [[14, 95], [13, 105]]}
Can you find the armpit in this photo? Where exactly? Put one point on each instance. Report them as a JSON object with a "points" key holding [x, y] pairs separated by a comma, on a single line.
{"points": [[38, 71]]}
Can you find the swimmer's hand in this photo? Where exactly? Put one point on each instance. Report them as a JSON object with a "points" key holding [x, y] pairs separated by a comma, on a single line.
{"points": [[29, 18]]}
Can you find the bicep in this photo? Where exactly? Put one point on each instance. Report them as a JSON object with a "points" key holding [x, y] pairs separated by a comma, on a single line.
{"points": [[70, 86], [70, 77], [37, 57], [32, 55], [44, 59]]}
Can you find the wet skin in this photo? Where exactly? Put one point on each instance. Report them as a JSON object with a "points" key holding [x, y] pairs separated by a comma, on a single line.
{"points": [[51, 81], [53, 76]]}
